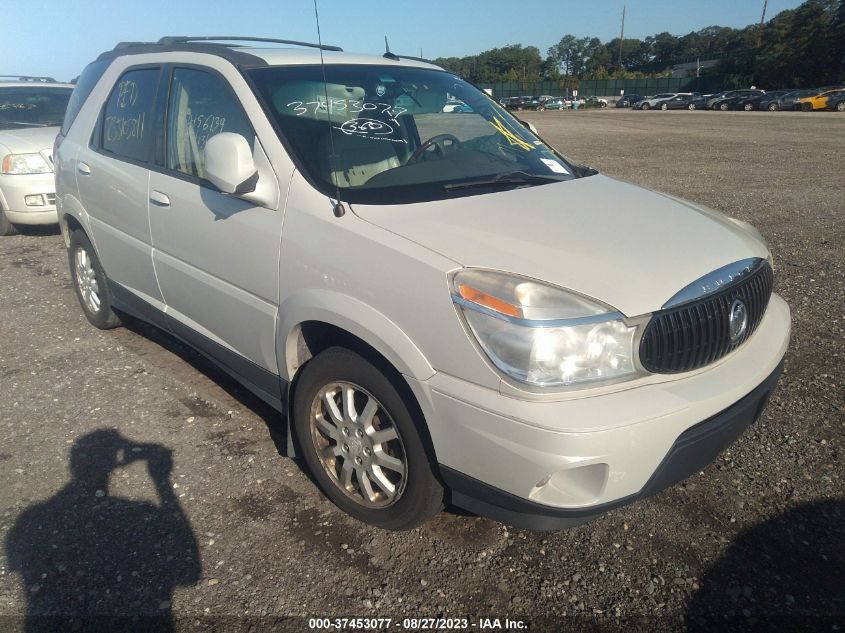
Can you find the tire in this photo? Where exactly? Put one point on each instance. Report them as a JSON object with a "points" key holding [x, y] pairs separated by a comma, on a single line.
{"points": [[724, 107], [773, 107], [6, 227], [645, 106], [748, 107], [806, 107], [664, 106], [691, 106], [329, 441], [90, 282], [840, 107]]}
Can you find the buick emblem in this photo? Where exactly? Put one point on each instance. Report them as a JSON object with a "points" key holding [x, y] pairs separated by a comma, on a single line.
{"points": [[737, 320]]}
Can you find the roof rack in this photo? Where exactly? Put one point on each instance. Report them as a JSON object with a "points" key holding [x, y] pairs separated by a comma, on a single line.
{"points": [[181, 39], [396, 58], [29, 78]]}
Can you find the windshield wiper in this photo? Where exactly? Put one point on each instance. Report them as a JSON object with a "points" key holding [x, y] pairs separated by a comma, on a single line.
{"points": [[510, 179]]}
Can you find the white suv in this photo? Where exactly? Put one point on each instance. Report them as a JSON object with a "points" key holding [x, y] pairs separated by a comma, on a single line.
{"points": [[31, 110], [443, 307]]}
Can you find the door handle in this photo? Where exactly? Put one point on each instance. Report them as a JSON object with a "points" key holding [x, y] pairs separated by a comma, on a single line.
{"points": [[159, 199], [83, 168]]}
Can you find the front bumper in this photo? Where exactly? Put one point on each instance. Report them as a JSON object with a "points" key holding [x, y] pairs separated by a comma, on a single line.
{"points": [[549, 464], [15, 189], [693, 450]]}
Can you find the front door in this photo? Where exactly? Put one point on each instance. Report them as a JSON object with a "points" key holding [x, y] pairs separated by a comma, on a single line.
{"points": [[216, 256]]}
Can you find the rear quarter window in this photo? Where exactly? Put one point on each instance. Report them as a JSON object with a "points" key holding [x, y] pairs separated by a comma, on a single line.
{"points": [[84, 85]]}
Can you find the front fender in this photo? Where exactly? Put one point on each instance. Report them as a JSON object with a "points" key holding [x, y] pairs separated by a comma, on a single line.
{"points": [[354, 316]]}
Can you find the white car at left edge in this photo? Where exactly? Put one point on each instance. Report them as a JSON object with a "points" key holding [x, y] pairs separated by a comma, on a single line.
{"points": [[31, 111]]}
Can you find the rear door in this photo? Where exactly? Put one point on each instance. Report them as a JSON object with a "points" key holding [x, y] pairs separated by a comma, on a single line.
{"points": [[216, 255], [113, 173]]}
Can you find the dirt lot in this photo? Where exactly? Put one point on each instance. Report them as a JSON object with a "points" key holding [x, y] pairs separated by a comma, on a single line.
{"points": [[236, 534]]}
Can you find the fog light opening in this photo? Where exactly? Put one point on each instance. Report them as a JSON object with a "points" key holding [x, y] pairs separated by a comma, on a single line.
{"points": [[36, 200]]}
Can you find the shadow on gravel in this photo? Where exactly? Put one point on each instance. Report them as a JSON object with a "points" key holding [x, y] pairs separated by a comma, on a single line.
{"points": [[37, 231], [94, 562], [787, 573]]}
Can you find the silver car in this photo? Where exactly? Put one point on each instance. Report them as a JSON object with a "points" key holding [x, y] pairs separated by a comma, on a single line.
{"points": [[31, 110], [444, 308]]}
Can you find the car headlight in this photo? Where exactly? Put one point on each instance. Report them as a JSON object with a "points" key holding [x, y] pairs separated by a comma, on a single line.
{"points": [[542, 335], [16, 164]]}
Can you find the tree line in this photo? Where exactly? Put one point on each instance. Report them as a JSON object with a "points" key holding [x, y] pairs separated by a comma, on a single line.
{"points": [[804, 46]]}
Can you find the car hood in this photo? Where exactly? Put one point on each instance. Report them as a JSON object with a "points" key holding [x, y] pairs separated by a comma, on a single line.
{"points": [[29, 140], [626, 246]]}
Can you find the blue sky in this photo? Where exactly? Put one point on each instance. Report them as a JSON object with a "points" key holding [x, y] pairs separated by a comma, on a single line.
{"points": [[58, 37]]}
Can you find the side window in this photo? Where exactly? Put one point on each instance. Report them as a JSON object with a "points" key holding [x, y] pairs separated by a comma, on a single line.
{"points": [[84, 85], [127, 121], [201, 105]]}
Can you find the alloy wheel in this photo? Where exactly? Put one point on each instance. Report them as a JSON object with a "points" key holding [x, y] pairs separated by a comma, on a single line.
{"points": [[86, 278], [358, 445]]}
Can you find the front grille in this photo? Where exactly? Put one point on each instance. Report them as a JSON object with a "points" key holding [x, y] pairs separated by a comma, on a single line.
{"points": [[696, 334]]}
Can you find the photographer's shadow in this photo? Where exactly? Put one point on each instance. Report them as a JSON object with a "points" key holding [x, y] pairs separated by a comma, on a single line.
{"points": [[93, 561]]}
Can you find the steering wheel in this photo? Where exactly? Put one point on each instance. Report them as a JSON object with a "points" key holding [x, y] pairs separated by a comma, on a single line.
{"points": [[442, 143]]}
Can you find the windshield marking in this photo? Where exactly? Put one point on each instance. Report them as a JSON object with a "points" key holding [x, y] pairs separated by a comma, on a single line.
{"points": [[301, 108], [511, 137], [368, 128]]}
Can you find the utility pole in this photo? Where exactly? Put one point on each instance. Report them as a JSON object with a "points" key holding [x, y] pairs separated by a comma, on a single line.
{"points": [[622, 37], [763, 17]]}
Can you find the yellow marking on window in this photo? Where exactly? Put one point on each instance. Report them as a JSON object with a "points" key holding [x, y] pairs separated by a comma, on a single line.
{"points": [[511, 137]]}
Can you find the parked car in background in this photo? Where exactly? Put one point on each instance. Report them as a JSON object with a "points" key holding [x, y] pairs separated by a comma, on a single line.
{"points": [[556, 104], [684, 102], [31, 111], [654, 102], [836, 102], [769, 100], [435, 320], [594, 102], [732, 99], [511, 103], [817, 101], [628, 100], [791, 100]]}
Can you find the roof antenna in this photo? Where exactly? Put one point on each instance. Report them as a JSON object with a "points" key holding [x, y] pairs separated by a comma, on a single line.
{"points": [[387, 52], [338, 209]]}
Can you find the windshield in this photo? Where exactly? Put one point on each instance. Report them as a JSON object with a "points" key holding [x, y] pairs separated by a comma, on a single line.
{"points": [[398, 134], [32, 106]]}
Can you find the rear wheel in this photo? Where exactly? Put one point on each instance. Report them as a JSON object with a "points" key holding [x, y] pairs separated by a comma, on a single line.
{"points": [[90, 282], [6, 227], [840, 107], [724, 107], [773, 107], [664, 106], [748, 107], [806, 107], [646, 106], [362, 442], [691, 106]]}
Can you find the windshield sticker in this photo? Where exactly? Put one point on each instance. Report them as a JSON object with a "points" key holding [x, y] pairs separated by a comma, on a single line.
{"points": [[369, 128], [511, 137], [555, 166], [380, 90]]}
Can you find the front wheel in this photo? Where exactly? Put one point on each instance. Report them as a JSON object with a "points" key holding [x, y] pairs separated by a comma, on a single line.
{"points": [[646, 106], [807, 107], [748, 107], [362, 442], [664, 107], [6, 227], [840, 107], [691, 106], [90, 282], [773, 107], [724, 107]]}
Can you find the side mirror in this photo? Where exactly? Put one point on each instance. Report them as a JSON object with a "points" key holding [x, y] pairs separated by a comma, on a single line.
{"points": [[530, 126], [229, 165]]}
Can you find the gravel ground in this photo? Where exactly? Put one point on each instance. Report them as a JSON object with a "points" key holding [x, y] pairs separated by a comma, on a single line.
{"points": [[235, 534]]}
